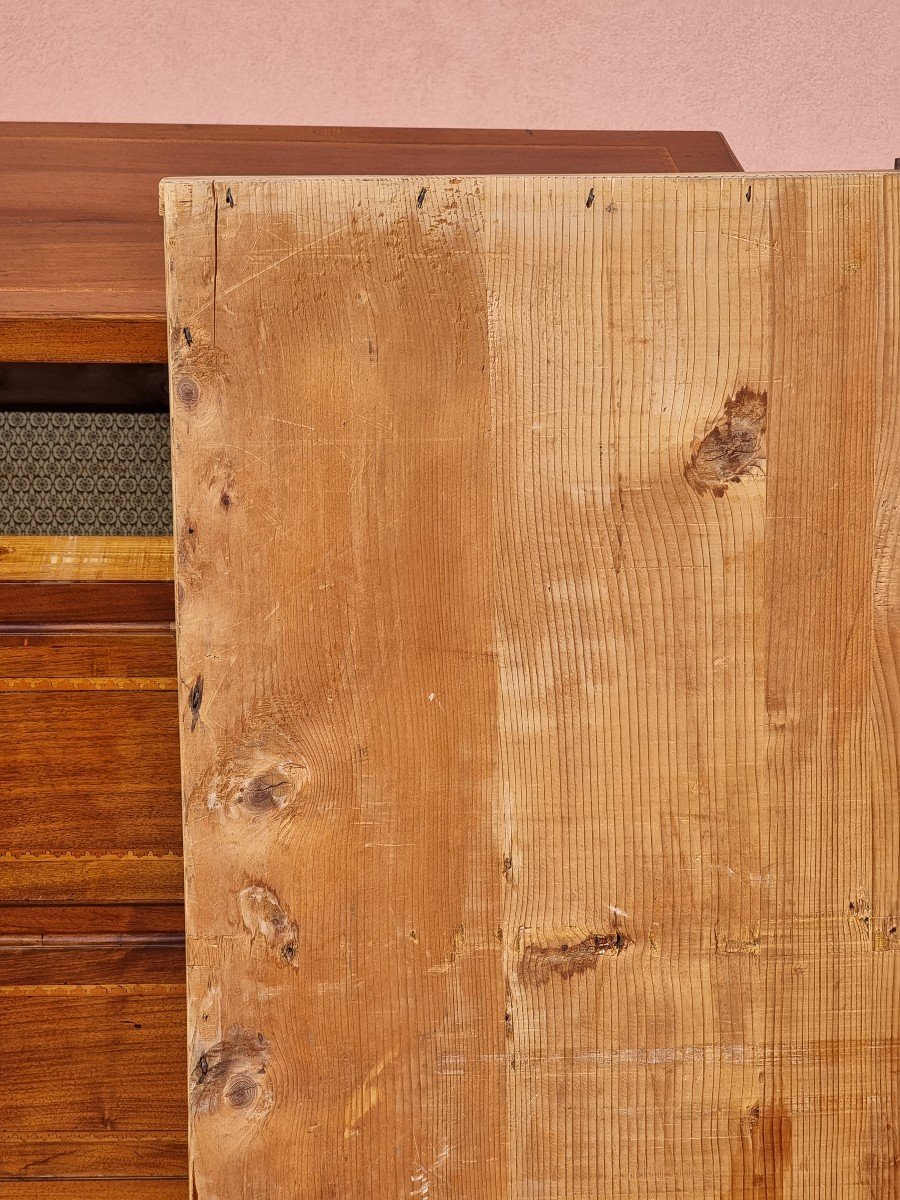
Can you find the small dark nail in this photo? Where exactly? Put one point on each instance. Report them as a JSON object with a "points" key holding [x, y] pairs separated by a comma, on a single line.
{"points": [[187, 335], [590, 199], [749, 191], [420, 199], [229, 199]]}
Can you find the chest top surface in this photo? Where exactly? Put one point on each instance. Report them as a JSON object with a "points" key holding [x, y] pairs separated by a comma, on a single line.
{"points": [[81, 238]]}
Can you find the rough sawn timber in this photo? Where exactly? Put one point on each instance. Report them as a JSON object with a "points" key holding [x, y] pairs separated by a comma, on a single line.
{"points": [[538, 574]]}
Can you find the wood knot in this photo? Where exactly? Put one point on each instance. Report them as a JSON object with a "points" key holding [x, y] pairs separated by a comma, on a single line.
{"points": [[263, 916], [195, 699], [885, 934], [232, 1073], [257, 781], [265, 793], [187, 392], [734, 447], [568, 958], [241, 1092]]}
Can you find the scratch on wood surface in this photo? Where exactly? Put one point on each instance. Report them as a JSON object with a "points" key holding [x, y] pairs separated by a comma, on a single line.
{"points": [[530, 672], [279, 262], [422, 1174]]}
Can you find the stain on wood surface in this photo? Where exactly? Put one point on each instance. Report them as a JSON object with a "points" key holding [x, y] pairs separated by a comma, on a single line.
{"points": [[534, 799]]}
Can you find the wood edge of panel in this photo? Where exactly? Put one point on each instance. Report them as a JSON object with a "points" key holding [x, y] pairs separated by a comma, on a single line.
{"points": [[170, 185], [343, 134], [169, 182]]}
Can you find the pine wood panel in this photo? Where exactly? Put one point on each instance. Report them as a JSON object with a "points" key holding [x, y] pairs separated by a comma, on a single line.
{"points": [[535, 555], [80, 231]]}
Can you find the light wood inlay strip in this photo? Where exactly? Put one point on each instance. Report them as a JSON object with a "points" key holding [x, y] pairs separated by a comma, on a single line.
{"points": [[24, 559], [154, 683], [92, 989]]}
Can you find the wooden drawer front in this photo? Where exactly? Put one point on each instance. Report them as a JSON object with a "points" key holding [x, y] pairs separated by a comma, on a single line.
{"points": [[91, 918], [92, 770], [92, 1058]]}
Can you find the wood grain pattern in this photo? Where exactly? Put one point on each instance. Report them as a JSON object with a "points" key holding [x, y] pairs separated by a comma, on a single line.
{"points": [[147, 1157], [125, 1043], [99, 757], [80, 232], [91, 920], [52, 602], [85, 654], [537, 559], [94, 1189], [75, 338], [884, 1161], [42, 877], [86, 558]]}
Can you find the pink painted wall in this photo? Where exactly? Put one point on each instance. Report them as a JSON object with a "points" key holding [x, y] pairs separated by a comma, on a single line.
{"points": [[792, 84]]}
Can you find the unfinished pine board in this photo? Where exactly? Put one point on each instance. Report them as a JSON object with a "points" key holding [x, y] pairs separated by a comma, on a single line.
{"points": [[538, 578]]}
